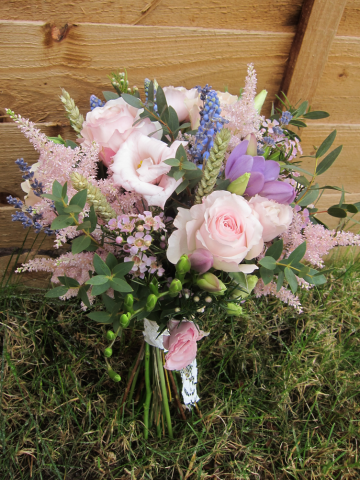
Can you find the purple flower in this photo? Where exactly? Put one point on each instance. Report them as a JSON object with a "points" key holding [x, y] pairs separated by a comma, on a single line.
{"points": [[201, 260], [264, 173]]}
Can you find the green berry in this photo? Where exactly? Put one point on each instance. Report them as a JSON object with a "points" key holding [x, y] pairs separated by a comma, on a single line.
{"points": [[110, 335], [124, 320], [108, 352]]}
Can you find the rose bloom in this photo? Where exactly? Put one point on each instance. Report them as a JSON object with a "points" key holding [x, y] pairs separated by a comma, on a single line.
{"points": [[139, 167], [111, 125], [274, 217], [226, 99], [186, 104], [181, 344], [223, 224]]}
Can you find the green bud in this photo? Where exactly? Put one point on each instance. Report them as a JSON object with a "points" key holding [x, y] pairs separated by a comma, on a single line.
{"points": [[108, 352], [210, 283], [128, 301], [151, 302], [251, 283], [239, 185], [175, 287], [153, 286], [183, 265], [110, 335], [259, 100], [233, 309], [114, 376], [124, 320]]}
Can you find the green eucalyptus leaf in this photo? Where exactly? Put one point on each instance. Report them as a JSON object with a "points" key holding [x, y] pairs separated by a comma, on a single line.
{"points": [[268, 262], [173, 162], [181, 154], [301, 110], [71, 144], [161, 99], [83, 296], [189, 166], [337, 212], [84, 226], [100, 289], [309, 198], [100, 266], [97, 280], [57, 189], [51, 197], [178, 174], [131, 100], [68, 281], [328, 161], [280, 281], [73, 209], [100, 317], [111, 261], [316, 115], [120, 285], [298, 253], [122, 269], [275, 250], [62, 221], [326, 144], [266, 275], [79, 199], [79, 244], [182, 186], [64, 190], [110, 95], [291, 278], [298, 123], [92, 218], [56, 292]]}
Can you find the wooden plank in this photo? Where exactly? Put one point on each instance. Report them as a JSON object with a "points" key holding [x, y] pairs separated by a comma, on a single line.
{"points": [[34, 66], [317, 27], [263, 15], [15, 145], [350, 21]]}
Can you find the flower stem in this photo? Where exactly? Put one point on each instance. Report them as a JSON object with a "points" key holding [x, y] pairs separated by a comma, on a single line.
{"points": [[132, 375], [148, 391], [164, 392]]}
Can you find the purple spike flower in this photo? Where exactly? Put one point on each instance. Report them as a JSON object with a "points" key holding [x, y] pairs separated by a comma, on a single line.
{"points": [[264, 175]]}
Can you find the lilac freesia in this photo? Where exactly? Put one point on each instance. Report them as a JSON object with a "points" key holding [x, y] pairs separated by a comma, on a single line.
{"points": [[264, 173]]}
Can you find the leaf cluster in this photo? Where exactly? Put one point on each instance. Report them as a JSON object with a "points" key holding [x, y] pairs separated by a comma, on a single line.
{"points": [[182, 168]]}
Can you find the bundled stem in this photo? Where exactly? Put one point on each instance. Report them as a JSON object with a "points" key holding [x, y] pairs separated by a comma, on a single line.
{"points": [[148, 391], [212, 168], [164, 392]]}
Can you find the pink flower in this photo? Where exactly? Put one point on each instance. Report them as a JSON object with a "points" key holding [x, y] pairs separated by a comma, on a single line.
{"points": [[110, 126], [181, 344], [186, 103], [225, 226], [274, 217], [139, 167], [226, 99], [201, 260]]}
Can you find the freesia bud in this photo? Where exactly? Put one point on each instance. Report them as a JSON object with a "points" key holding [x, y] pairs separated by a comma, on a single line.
{"points": [[251, 283], [183, 265], [124, 320], [110, 335], [252, 147], [233, 309], [151, 302], [108, 352], [113, 375], [210, 283], [129, 301], [239, 185], [259, 100], [201, 260], [175, 287]]}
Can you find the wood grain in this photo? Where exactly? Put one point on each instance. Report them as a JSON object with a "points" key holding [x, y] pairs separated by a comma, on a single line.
{"points": [[350, 21], [15, 145], [34, 66], [315, 33], [263, 15]]}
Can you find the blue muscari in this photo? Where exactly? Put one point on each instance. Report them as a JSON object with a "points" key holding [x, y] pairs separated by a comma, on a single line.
{"points": [[95, 102], [268, 141], [285, 118], [146, 88], [27, 215], [210, 124], [278, 130]]}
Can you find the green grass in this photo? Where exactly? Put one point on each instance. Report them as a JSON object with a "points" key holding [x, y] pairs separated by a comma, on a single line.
{"points": [[280, 394]]}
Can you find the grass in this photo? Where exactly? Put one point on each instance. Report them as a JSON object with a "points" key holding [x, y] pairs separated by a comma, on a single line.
{"points": [[280, 394]]}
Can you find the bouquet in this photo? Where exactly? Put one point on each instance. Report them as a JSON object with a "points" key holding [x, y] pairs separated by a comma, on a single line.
{"points": [[175, 208]]}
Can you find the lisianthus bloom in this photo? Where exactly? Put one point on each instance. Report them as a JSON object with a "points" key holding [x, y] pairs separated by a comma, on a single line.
{"points": [[264, 173], [139, 167], [274, 217], [186, 104], [181, 344], [111, 125], [225, 226], [226, 98]]}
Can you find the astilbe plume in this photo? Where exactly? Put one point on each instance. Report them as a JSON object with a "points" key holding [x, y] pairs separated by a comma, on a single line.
{"points": [[242, 115], [283, 294]]}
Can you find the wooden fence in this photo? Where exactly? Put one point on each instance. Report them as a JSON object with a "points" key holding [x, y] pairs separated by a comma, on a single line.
{"points": [[309, 48]]}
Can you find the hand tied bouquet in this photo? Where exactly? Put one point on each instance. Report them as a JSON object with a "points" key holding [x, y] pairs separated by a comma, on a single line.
{"points": [[174, 207]]}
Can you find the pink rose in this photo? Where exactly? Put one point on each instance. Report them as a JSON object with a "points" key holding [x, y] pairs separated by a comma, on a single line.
{"points": [[110, 126], [274, 217], [181, 344], [139, 167], [186, 104], [225, 226]]}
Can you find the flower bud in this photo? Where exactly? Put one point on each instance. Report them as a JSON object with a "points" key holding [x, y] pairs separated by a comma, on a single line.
{"points": [[113, 375], [118, 240], [251, 283], [233, 309], [201, 260], [210, 283], [252, 146], [208, 299], [124, 320], [140, 228], [259, 100], [154, 288], [177, 309], [110, 335], [183, 265], [108, 352], [151, 302], [239, 185], [128, 301], [147, 243], [175, 287], [196, 299]]}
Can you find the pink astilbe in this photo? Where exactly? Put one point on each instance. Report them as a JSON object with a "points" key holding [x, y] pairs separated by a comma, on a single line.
{"points": [[242, 115], [283, 294]]}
